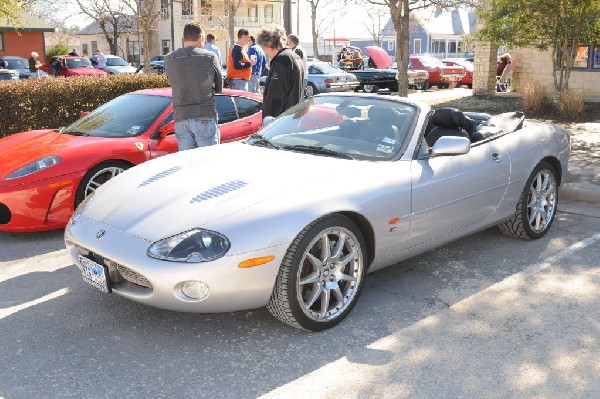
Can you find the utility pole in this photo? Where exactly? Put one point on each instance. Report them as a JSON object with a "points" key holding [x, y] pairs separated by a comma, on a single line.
{"points": [[287, 16]]}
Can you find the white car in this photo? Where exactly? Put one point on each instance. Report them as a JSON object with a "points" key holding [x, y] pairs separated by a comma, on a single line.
{"points": [[115, 65], [292, 219]]}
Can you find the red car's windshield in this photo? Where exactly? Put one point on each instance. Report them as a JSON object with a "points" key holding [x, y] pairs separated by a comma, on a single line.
{"points": [[125, 116]]}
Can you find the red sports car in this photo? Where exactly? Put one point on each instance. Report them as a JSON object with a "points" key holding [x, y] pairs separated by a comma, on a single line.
{"points": [[440, 74], [467, 80], [67, 65], [45, 174]]}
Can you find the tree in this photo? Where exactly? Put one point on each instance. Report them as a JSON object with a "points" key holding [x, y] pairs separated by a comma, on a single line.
{"points": [[147, 13], [558, 25], [321, 24], [231, 8], [110, 17], [59, 49], [400, 11], [375, 22], [9, 11]]}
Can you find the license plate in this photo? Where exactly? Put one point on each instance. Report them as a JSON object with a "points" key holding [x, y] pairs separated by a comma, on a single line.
{"points": [[94, 274], [411, 81]]}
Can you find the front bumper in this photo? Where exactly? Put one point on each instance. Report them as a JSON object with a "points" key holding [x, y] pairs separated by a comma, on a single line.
{"points": [[38, 206], [138, 277]]}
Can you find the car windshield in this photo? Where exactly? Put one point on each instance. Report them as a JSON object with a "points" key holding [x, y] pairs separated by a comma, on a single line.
{"points": [[364, 128], [78, 63], [125, 116], [116, 62], [432, 62], [17, 64], [325, 68]]}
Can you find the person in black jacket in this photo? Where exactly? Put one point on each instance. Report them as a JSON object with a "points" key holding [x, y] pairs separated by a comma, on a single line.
{"points": [[286, 73]]}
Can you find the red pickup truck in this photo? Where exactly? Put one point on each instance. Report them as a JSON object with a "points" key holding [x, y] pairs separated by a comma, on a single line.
{"points": [[440, 74]]}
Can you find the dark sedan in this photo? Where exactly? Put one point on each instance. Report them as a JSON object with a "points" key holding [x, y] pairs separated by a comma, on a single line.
{"points": [[21, 65]]}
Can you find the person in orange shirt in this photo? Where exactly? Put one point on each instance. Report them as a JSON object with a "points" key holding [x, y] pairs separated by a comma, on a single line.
{"points": [[239, 65]]}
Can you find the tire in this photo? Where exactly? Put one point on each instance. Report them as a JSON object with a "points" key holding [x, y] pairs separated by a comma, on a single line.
{"points": [[97, 176], [310, 90], [536, 207], [309, 277], [443, 85], [422, 86], [370, 89]]}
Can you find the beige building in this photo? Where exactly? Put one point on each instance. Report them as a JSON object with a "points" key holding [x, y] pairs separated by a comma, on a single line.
{"points": [[531, 65], [173, 15]]}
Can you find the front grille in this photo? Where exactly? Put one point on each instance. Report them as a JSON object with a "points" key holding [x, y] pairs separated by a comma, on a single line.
{"points": [[133, 277], [5, 215], [117, 272]]}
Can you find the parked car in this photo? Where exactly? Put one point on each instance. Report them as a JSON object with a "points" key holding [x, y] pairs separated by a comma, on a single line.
{"points": [[339, 185], [467, 80], [45, 174], [156, 67], [115, 65], [325, 78], [9, 74], [383, 75], [440, 75], [69, 65], [21, 65]]}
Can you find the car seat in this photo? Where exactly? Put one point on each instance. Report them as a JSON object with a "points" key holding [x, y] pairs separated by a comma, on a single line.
{"points": [[449, 122]]}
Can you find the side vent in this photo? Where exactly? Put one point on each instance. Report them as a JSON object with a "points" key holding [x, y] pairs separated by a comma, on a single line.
{"points": [[160, 175]]}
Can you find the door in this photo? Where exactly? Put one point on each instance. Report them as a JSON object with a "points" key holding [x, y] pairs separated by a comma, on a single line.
{"points": [[453, 192], [165, 145]]}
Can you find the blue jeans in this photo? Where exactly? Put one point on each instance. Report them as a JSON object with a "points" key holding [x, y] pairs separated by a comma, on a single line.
{"points": [[254, 84], [193, 133], [238, 84]]}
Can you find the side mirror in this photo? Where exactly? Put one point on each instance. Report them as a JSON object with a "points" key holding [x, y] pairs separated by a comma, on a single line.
{"points": [[450, 145], [166, 130], [267, 120], [84, 113]]}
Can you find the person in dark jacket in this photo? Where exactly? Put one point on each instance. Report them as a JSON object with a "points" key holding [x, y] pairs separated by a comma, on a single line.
{"points": [[286, 73]]}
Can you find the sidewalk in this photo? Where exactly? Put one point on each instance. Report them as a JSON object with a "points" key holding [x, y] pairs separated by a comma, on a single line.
{"points": [[582, 183]]}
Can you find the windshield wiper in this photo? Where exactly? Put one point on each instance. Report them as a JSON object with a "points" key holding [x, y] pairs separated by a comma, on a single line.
{"points": [[259, 139], [74, 133], [318, 150]]}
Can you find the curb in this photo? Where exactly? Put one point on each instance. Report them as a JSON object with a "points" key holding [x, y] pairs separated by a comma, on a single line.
{"points": [[568, 192]]}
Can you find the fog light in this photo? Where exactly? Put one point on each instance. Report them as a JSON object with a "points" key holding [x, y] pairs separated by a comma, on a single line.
{"points": [[196, 290]]}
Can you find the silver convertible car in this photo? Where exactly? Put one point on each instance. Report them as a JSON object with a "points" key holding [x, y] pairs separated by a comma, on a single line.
{"points": [[294, 217]]}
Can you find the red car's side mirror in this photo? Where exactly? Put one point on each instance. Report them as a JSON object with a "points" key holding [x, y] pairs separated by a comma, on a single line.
{"points": [[84, 113], [166, 130]]}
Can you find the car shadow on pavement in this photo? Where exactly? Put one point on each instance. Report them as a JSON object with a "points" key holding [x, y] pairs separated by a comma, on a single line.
{"points": [[14, 246]]}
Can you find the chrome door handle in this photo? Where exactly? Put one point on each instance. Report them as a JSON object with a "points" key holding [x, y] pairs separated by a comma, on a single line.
{"points": [[496, 157]]}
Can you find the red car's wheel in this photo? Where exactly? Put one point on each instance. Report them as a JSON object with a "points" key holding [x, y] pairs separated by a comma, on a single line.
{"points": [[97, 176]]}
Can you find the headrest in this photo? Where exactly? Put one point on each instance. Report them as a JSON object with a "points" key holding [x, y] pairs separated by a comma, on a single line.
{"points": [[382, 114], [452, 118], [350, 112]]}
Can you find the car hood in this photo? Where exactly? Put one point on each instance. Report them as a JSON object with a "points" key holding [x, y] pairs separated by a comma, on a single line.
{"points": [[381, 58], [192, 188], [21, 149]]}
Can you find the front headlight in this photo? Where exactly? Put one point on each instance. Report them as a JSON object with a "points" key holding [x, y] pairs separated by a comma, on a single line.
{"points": [[33, 167], [196, 245]]}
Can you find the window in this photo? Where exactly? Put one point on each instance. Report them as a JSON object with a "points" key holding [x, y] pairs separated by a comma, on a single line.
{"points": [[165, 9], [225, 109], [187, 8], [84, 49], [247, 107], [417, 46], [205, 7], [269, 13], [166, 47], [253, 14], [133, 52], [1, 41], [94, 46], [586, 58], [391, 45]]}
